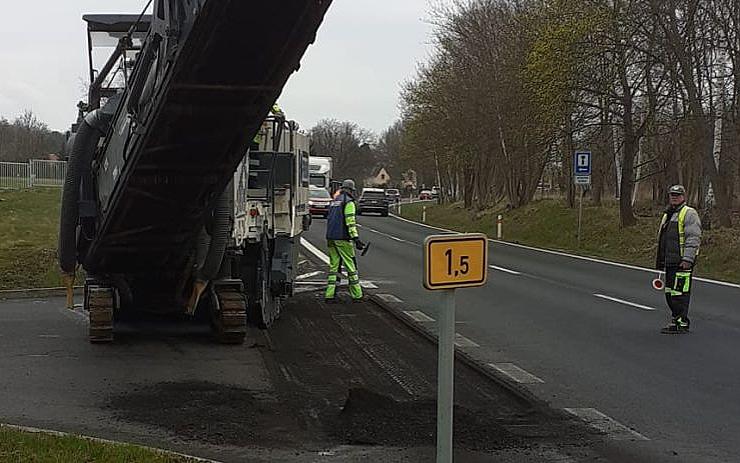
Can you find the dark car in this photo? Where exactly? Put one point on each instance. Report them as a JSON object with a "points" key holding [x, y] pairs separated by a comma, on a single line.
{"points": [[373, 200], [318, 201]]}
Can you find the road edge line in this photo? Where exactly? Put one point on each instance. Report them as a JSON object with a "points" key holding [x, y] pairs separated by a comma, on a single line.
{"points": [[98, 440], [572, 256]]}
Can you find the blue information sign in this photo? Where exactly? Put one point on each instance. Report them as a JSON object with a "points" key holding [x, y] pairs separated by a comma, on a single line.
{"points": [[582, 163]]}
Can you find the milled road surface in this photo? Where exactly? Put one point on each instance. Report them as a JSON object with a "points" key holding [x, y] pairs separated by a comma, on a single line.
{"points": [[588, 333], [344, 382]]}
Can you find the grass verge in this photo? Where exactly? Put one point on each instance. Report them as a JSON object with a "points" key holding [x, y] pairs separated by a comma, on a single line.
{"points": [[29, 222], [21, 447], [549, 224]]}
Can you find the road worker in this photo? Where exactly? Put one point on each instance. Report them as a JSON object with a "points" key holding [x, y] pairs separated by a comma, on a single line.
{"points": [[342, 237], [679, 238]]}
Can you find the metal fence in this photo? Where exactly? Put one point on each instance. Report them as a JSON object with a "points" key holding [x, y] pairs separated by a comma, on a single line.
{"points": [[34, 173]]}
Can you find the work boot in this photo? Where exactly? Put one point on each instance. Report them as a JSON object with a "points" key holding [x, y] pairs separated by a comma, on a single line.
{"points": [[358, 300], [671, 328], [682, 325], [330, 300]]}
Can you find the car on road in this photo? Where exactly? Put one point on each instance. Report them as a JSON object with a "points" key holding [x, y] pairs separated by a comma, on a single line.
{"points": [[393, 195], [318, 201], [373, 200], [425, 195]]}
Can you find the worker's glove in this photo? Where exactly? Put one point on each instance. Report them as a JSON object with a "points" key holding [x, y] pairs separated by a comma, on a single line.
{"points": [[685, 265], [359, 244]]}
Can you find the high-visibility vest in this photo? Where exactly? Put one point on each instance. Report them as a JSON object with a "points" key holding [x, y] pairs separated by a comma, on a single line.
{"points": [[681, 226]]}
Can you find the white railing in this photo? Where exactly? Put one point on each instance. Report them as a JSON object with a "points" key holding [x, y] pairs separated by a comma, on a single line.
{"points": [[34, 173]]}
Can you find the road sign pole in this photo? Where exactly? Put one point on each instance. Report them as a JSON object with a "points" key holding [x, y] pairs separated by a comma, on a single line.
{"points": [[580, 216], [445, 377]]}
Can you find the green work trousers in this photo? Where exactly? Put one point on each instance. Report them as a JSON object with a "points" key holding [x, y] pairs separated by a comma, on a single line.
{"points": [[341, 251]]}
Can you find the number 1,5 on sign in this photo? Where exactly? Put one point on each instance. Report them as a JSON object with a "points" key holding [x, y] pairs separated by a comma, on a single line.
{"points": [[462, 269]]}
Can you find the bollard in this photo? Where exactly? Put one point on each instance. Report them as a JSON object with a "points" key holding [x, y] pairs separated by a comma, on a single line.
{"points": [[500, 227], [69, 283], [424, 214]]}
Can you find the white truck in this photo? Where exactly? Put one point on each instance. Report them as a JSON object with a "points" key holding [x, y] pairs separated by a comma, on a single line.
{"points": [[321, 171], [270, 189]]}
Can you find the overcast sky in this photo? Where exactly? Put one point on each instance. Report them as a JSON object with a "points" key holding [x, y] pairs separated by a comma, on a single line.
{"points": [[365, 50]]}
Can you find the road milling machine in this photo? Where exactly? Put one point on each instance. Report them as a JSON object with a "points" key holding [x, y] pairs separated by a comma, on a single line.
{"points": [[184, 197]]}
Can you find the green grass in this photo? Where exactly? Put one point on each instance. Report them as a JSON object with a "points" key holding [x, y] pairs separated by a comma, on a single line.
{"points": [[24, 447], [550, 224], [29, 221]]}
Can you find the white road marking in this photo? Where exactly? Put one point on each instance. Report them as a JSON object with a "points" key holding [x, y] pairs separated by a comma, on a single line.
{"points": [[419, 316], [514, 372], [315, 251], [462, 341], [505, 270], [368, 285], [37, 355], [572, 256], [622, 301], [395, 238], [308, 275], [309, 283], [606, 424], [50, 336], [389, 298]]}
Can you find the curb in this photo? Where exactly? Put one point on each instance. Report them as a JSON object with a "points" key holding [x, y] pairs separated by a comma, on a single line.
{"points": [[40, 293], [98, 440]]}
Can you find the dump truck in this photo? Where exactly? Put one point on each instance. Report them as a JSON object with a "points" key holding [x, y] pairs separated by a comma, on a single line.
{"points": [[152, 207]]}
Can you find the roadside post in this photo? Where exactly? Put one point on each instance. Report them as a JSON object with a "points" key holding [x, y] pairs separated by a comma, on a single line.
{"points": [[582, 179], [423, 214], [451, 262], [500, 227]]}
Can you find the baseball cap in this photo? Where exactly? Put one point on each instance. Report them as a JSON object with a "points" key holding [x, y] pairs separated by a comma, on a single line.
{"points": [[677, 190]]}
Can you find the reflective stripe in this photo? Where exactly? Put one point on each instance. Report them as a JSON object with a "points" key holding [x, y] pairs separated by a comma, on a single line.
{"points": [[681, 227], [686, 282]]}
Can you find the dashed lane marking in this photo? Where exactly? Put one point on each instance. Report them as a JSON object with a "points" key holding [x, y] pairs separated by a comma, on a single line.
{"points": [[505, 270], [572, 256], [419, 316], [389, 298], [49, 336], [622, 301], [514, 372], [462, 341], [606, 424]]}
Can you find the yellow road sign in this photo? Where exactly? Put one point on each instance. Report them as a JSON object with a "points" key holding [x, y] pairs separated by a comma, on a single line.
{"points": [[455, 261]]}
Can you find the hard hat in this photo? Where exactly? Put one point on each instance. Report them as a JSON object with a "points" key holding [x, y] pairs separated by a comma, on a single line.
{"points": [[348, 184], [677, 190]]}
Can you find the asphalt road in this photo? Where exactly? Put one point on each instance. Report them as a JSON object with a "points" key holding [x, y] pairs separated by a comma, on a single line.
{"points": [[588, 334], [331, 383]]}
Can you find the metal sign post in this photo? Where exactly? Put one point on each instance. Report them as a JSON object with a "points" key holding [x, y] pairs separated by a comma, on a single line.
{"points": [[582, 178], [450, 262]]}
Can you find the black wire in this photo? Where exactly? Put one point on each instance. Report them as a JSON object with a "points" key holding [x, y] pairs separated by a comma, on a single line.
{"points": [[138, 20]]}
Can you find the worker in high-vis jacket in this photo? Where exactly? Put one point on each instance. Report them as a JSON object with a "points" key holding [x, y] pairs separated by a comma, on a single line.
{"points": [[342, 239], [679, 238]]}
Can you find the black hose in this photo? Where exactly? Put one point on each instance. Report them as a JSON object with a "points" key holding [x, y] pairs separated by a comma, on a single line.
{"points": [[220, 235], [80, 162]]}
